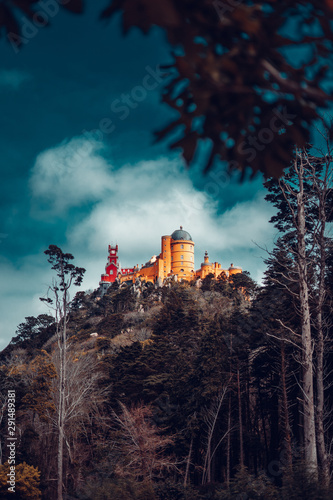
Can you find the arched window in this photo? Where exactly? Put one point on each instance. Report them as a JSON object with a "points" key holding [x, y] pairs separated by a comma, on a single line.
{"points": [[182, 270], [182, 246]]}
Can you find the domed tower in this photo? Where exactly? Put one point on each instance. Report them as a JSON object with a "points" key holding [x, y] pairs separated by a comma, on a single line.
{"points": [[234, 270], [206, 266], [182, 254]]}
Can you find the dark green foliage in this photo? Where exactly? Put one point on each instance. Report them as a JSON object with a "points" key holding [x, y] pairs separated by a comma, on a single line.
{"points": [[244, 282], [302, 485], [102, 344], [211, 367], [31, 335], [111, 326], [65, 271], [208, 283], [32, 327], [170, 491], [119, 489], [197, 342], [126, 373], [117, 299], [80, 300], [248, 487], [178, 313]]}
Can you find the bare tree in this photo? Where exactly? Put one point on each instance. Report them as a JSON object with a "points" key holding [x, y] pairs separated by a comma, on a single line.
{"points": [[58, 298], [302, 199], [83, 400], [142, 449], [320, 173], [307, 348], [211, 419]]}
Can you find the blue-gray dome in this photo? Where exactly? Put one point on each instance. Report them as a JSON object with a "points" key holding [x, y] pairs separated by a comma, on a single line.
{"points": [[180, 234]]}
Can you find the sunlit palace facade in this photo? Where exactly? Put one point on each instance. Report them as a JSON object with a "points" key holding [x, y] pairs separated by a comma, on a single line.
{"points": [[176, 259]]}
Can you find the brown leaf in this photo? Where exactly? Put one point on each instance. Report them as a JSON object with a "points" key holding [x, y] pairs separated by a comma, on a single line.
{"points": [[188, 144], [8, 21]]}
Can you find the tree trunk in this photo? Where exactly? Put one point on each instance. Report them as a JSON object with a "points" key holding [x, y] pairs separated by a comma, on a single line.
{"points": [[213, 415], [228, 443], [285, 413], [60, 462], [322, 454], [241, 447], [307, 361], [62, 395], [188, 462]]}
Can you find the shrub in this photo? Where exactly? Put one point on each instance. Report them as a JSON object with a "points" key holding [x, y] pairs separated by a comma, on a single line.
{"points": [[26, 482]]}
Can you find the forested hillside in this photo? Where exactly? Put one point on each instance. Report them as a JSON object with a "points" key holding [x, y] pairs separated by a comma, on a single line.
{"points": [[183, 389], [219, 389]]}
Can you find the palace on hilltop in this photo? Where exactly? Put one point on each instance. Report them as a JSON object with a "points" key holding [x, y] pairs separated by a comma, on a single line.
{"points": [[176, 259]]}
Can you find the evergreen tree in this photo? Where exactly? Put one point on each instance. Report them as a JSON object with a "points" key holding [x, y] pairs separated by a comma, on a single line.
{"points": [[66, 275], [301, 198]]}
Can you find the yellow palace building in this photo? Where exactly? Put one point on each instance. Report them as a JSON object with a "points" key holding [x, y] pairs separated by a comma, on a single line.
{"points": [[176, 259]]}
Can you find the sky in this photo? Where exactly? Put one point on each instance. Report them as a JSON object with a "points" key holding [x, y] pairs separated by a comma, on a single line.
{"points": [[79, 168]]}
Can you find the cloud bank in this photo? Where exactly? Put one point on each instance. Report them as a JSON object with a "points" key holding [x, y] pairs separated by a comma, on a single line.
{"points": [[69, 175], [133, 206]]}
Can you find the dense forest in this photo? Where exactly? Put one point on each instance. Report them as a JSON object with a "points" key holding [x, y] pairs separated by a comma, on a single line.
{"points": [[212, 389]]}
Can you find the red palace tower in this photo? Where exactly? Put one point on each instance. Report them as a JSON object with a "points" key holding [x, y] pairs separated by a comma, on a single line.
{"points": [[112, 268]]}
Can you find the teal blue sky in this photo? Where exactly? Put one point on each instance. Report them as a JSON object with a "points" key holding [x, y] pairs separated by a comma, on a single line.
{"points": [[79, 168]]}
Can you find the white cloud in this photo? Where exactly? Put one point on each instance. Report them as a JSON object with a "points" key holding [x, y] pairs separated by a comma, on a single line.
{"points": [[156, 197], [70, 174], [13, 78], [134, 206]]}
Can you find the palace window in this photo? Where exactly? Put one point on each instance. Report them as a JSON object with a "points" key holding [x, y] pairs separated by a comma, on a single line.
{"points": [[182, 256], [182, 270], [182, 246]]}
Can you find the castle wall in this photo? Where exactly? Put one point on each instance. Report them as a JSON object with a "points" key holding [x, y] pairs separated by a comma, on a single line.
{"points": [[176, 258], [148, 273]]}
